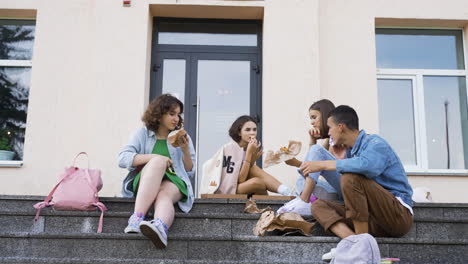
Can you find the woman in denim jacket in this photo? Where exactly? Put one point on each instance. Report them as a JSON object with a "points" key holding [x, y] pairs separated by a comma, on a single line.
{"points": [[321, 148], [159, 173]]}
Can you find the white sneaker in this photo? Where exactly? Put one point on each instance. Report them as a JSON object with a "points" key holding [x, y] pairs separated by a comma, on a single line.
{"points": [[292, 192], [133, 224], [287, 191], [296, 206], [329, 256], [155, 230]]}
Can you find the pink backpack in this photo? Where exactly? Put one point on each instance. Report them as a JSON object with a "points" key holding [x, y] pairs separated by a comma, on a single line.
{"points": [[77, 189]]}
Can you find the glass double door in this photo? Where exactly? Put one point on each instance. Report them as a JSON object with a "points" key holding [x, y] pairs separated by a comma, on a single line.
{"points": [[215, 88]]}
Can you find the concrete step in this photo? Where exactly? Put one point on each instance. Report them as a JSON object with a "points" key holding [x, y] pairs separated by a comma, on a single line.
{"points": [[115, 204], [252, 249], [215, 231], [19, 260], [53, 222], [448, 211], [16, 215]]}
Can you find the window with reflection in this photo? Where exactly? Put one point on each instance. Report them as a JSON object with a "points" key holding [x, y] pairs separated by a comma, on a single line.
{"points": [[16, 49], [419, 49], [211, 34], [422, 97]]}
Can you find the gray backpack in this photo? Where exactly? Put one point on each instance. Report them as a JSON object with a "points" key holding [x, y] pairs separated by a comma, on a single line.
{"points": [[357, 249]]}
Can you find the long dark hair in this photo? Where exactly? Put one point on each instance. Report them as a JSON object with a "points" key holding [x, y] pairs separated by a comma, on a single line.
{"points": [[237, 126], [324, 106], [159, 106]]}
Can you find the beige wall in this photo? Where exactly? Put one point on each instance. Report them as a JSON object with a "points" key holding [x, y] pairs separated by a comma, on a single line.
{"points": [[90, 77], [291, 80]]}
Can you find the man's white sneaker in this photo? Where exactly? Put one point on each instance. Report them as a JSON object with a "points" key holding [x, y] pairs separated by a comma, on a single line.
{"points": [[329, 256], [296, 206]]}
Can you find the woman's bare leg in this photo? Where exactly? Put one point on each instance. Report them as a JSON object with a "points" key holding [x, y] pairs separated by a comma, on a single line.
{"points": [[150, 180], [168, 195], [271, 182], [252, 185]]}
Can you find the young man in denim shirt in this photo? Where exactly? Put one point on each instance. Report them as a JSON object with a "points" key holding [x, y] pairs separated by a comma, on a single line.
{"points": [[375, 188]]}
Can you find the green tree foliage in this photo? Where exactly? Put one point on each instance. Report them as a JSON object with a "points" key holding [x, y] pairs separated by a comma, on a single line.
{"points": [[13, 97]]}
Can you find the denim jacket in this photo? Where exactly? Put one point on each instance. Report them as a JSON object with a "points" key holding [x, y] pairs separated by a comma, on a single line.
{"points": [[373, 157], [142, 142]]}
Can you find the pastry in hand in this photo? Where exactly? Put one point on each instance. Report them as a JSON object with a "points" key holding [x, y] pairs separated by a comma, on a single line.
{"points": [[173, 137]]}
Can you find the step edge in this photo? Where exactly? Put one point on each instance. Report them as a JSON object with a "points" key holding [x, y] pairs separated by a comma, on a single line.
{"points": [[249, 238], [211, 215], [219, 201]]}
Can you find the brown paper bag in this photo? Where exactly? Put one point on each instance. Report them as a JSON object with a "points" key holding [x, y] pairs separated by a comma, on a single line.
{"points": [[268, 221], [251, 208], [286, 222], [283, 154]]}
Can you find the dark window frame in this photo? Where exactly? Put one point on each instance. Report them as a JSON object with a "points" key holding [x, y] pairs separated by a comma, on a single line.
{"points": [[188, 52]]}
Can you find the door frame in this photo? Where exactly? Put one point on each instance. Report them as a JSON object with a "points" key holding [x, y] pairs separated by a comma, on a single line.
{"points": [[192, 52]]}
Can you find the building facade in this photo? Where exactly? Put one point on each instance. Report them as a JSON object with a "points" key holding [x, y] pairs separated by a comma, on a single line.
{"points": [[81, 73]]}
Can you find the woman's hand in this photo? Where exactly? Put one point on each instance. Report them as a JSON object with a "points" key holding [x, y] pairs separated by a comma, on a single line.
{"points": [[183, 142], [254, 150], [170, 163], [257, 154], [167, 160], [253, 146], [314, 134]]}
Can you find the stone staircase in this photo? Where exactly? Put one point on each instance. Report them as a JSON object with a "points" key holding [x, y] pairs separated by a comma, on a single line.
{"points": [[215, 231]]}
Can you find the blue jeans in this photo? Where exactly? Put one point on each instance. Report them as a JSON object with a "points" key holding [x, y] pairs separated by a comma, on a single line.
{"points": [[332, 185]]}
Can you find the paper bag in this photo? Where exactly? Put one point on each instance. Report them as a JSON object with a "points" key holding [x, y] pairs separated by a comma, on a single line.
{"points": [[283, 154]]}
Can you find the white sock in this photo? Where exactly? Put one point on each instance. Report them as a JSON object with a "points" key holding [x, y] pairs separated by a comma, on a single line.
{"points": [[284, 190]]}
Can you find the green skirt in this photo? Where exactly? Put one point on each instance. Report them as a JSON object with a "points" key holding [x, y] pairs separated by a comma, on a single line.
{"points": [[160, 148], [171, 176]]}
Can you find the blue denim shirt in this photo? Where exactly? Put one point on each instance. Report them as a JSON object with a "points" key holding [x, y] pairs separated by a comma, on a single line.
{"points": [[373, 157], [142, 142]]}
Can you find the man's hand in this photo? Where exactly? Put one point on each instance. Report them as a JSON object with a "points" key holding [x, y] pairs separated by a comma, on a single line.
{"points": [[339, 151], [310, 166]]}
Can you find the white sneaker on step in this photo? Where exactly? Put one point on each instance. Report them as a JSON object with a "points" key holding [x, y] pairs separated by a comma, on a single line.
{"points": [[297, 206], [329, 256]]}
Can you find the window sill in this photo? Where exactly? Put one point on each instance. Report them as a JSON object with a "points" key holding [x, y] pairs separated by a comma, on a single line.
{"points": [[438, 173], [11, 163]]}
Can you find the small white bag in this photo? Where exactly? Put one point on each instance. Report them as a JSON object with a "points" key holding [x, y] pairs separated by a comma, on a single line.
{"points": [[357, 249]]}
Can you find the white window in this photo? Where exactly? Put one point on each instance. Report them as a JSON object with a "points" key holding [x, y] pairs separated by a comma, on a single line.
{"points": [[16, 46], [421, 81]]}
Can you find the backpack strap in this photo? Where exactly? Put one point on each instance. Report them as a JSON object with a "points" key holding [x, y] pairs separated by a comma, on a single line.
{"points": [[102, 208], [46, 201], [84, 153]]}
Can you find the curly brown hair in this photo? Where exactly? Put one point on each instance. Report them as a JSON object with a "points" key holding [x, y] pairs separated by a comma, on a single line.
{"points": [[159, 106]]}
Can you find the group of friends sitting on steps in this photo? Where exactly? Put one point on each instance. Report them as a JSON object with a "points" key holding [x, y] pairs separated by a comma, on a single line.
{"points": [[358, 178]]}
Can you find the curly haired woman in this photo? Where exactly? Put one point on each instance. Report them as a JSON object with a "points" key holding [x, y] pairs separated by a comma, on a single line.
{"points": [[159, 173]]}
